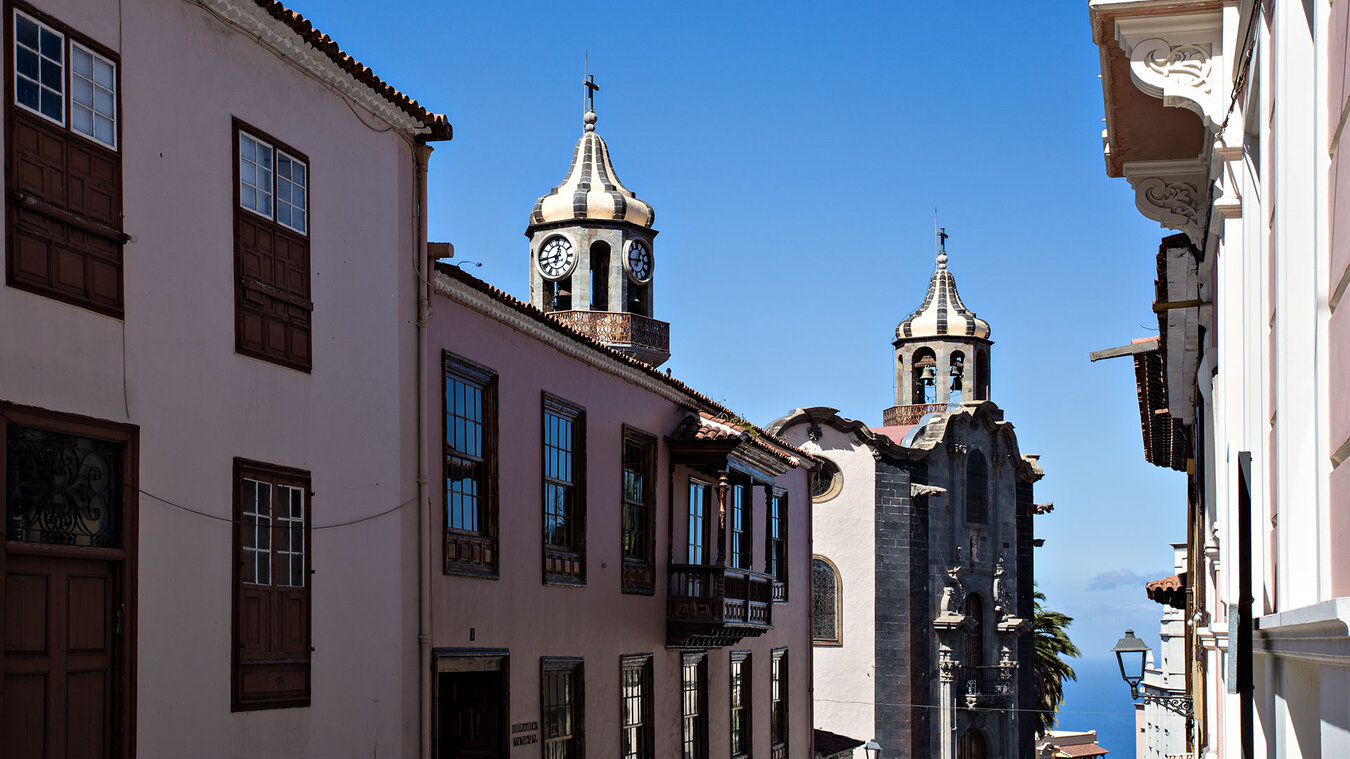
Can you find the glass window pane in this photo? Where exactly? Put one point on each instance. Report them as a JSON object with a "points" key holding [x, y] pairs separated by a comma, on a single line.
{"points": [[51, 45], [26, 31], [82, 62]]}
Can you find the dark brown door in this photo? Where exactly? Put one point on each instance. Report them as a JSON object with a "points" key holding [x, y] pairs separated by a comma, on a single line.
{"points": [[59, 637], [471, 718]]}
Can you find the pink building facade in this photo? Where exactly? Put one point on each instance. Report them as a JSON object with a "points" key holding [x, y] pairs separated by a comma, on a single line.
{"points": [[1227, 118], [210, 448], [621, 565]]}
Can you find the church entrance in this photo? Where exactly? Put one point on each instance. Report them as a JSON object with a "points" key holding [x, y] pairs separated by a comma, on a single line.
{"points": [[972, 745]]}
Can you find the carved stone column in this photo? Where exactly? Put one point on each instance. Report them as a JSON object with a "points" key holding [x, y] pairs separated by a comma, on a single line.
{"points": [[947, 702]]}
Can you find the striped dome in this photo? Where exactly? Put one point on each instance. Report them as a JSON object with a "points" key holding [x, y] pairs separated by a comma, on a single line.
{"points": [[942, 312], [591, 189]]}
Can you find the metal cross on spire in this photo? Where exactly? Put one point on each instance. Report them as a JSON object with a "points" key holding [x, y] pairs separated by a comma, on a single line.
{"points": [[591, 87], [942, 239]]}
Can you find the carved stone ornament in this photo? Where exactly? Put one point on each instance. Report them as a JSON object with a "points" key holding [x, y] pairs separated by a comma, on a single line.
{"points": [[952, 594], [814, 433], [1181, 75], [1003, 595], [946, 666], [1177, 58], [1172, 193]]}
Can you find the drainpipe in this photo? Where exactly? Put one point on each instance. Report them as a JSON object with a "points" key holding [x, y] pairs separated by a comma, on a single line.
{"points": [[424, 268]]}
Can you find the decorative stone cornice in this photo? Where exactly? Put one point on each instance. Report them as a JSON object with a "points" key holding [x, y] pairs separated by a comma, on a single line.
{"points": [[1172, 193], [1177, 58]]}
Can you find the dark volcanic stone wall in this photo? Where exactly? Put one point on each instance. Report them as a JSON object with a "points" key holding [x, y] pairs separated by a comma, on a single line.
{"points": [[904, 670]]}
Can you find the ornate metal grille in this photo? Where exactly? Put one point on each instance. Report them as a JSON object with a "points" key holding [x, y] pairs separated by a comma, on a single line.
{"points": [[62, 489], [824, 603]]}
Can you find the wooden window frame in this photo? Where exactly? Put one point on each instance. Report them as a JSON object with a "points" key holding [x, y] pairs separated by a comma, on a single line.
{"points": [[642, 664], [740, 520], [564, 564], [58, 218], [125, 557], [287, 670], [740, 678], [260, 301], [472, 553], [706, 554], [696, 746], [838, 637], [639, 572], [778, 704], [577, 668], [775, 548]]}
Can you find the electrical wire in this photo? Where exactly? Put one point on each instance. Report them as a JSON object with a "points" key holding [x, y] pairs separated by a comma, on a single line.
{"points": [[228, 520], [962, 708]]}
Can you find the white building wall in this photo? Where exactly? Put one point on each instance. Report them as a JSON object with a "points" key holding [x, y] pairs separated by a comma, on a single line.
{"points": [[844, 529]]}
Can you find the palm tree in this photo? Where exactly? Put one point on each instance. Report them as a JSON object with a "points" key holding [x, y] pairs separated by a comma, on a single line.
{"points": [[1050, 670]]}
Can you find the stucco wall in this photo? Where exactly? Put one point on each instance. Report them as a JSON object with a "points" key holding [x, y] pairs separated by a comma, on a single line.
{"points": [[599, 623], [170, 368], [1338, 69], [844, 533]]}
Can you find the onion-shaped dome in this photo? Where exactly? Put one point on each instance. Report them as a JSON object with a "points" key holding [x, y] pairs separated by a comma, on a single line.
{"points": [[591, 189], [942, 312]]}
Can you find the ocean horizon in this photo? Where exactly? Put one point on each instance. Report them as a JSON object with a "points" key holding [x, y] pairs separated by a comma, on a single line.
{"points": [[1099, 700]]}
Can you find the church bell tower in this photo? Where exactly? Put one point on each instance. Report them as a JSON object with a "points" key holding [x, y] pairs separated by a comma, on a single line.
{"points": [[591, 252], [941, 351]]}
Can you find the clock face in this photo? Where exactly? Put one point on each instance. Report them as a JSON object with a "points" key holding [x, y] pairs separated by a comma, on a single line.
{"points": [[639, 261], [556, 258]]}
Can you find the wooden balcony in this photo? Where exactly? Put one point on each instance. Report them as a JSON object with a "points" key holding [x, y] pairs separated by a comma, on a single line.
{"points": [[643, 338], [712, 607]]}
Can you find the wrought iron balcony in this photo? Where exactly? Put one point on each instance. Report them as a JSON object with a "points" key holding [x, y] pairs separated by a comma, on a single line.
{"points": [[643, 338], [712, 606], [988, 685], [897, 416]]}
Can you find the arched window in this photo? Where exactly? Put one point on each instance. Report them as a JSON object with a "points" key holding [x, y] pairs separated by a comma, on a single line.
{"points": [[600, 276], [956, 375], [982, 375], [975, 632], [923, 376], [977, 489], [826, 481], [827, 595], [972, 745]]}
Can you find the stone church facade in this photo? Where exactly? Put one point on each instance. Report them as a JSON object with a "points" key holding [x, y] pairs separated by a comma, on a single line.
{"points": [[922, 574]]}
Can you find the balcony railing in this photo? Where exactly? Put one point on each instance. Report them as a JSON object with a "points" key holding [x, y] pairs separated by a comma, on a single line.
{"points": [[711, 606], [988, 685], [632, 333], [897, 416]]}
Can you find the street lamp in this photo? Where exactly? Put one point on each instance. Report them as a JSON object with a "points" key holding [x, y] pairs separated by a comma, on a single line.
{"points": [[1130, 653], [873, 749]]}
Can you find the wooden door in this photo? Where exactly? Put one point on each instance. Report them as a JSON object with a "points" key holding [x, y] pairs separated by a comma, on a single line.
{"points": [[471, 717], [59, 654]]}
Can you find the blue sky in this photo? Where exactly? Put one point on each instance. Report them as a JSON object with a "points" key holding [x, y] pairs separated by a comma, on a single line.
{"points": [[794, 154]]}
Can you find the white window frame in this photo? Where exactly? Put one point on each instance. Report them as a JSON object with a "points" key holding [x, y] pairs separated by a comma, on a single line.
{"points": [[277, 153], [65, 66], [70, 96]]}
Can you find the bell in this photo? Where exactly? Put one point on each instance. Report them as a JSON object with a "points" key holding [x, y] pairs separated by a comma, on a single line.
{"points": [[929, 373]]}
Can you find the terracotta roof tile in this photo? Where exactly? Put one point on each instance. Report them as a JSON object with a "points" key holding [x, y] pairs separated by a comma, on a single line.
{"points": [[1169, 590], [1081, 750], [720, 421], [437, 123]]}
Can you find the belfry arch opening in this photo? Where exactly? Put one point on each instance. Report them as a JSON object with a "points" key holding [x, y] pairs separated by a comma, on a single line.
{"points": [[956, 375], [599, 274], [923, 376]]}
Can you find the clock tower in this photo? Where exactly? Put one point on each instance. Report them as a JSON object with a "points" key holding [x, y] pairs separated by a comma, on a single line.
{"points": [[591, 253]]}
